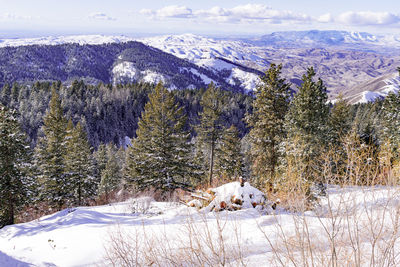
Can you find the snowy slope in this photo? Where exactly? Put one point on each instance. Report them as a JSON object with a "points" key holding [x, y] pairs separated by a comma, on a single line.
{"points": [[55, 40], [316, 38], [212, 54], [342, 59], [215, 55], [80, 237], [382, 88]]}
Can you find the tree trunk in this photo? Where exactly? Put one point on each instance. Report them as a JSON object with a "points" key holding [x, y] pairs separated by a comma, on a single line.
{"points": [[79, 194]]}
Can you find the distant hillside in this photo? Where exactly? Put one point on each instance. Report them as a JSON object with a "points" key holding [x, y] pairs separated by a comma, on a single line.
{"points": [[374, 89], [345, 61], [316, 38], [108, 63]]}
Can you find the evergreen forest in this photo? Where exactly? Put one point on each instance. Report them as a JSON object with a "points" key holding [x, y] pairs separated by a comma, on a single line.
{"points": [[66, 145]]}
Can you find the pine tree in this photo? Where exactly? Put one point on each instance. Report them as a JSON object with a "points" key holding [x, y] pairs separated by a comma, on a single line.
{"points": [[15, 182], [306, 122], [5, 95], [390, 123], [229, 163], [267, 125], [49, 155], [160, 156], [100, 156], [339, 120], [111, 175], [79, 164], [210, 128]]}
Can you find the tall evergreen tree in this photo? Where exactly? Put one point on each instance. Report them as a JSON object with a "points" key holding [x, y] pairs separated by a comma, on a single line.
{"points": [[15, 182], [390, 124], [210, 128], [267, 124], [160, 156], [306, 122], [50, 152], [339, 120], [111, 175], [5, 95], [100, 157], [79, 164], [229, 163]]}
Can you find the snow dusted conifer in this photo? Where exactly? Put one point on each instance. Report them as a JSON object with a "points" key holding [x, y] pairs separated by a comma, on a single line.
{"points": [[160, 156], [267, 125], [5, 95], [339, 120], [79, 164], [229, 162], [100, 157], [307, 122], [15, 158], [390, 122], [111, 174], [210, 128], [50, 152]]}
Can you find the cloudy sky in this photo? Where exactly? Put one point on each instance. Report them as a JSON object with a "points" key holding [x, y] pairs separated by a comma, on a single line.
{"points": [[207, 17]]}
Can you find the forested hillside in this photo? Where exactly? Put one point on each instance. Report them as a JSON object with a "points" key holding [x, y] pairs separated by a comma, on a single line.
{"points": [[107, 63], [109, 113]]}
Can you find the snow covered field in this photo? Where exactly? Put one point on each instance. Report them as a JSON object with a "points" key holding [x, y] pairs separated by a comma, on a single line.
{"points": [[352, 226]]}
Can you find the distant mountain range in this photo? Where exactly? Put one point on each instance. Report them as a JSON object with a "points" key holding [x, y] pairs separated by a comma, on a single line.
{"points": [[349, 62], [119, 62], [317, 38]]}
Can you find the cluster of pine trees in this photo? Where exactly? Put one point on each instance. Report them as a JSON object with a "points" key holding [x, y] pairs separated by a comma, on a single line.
{"points": [[181, 139]]}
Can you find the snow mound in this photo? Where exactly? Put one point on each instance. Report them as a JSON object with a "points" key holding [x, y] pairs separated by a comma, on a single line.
{"points": [[236, 196]]}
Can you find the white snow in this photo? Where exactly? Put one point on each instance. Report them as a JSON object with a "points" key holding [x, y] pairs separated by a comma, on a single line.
{"points": [[392, 86], [206, 52], [369, 96], [215, 63], [152, 77], [205, 78], [247, 79], [124, 70], [80, 236], [248, 196], [55, 40]]}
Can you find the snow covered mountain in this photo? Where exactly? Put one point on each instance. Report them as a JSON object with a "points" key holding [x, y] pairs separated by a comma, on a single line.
{"points": [[344, 60], [56, 40], [317, 38], [375, 89]]}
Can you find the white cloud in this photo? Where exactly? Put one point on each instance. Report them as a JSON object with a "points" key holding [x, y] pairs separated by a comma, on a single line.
{"points": [[250, 13], [325, 18], [242, 13], [10, 16], [100, 16], [168, 12], [368, 18]]}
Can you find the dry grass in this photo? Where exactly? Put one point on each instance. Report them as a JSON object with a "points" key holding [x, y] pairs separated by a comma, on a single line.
{"points": [[198, 242]]}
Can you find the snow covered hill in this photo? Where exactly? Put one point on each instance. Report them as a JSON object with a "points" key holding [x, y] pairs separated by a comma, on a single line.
{"points": [[55, 40], [342, 59], [315, 38], [375, 89], [144, 231]]}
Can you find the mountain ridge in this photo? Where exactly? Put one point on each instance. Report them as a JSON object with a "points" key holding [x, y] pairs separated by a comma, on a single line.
{"points": [[344, 60]]}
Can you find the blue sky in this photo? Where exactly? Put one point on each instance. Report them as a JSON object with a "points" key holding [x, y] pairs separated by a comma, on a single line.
{"points": [[218, 17]]}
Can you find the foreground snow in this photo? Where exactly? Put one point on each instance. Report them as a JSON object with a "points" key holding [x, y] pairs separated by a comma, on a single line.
{"points": [[81, 236]]}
